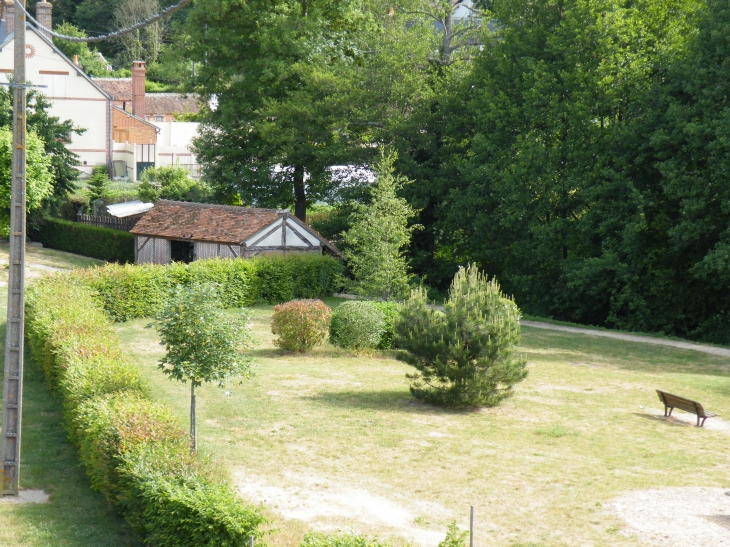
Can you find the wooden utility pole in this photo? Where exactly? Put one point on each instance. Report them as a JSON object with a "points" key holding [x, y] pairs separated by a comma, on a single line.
{"points": [[13, 380]]}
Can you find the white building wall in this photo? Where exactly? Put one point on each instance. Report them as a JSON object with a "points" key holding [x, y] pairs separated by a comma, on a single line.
{"points": [[174, 143], [71, 95]]}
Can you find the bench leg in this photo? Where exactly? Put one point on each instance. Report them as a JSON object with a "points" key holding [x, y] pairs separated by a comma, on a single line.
{"points": [[665, 411], [703, 421], [670, 412]]}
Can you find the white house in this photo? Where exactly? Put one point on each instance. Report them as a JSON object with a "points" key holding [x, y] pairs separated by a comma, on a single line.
{"points": [[72, 94]]}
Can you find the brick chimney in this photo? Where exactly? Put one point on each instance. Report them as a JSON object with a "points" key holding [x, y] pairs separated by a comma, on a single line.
{"points": [[43, 14], [9, 16], [138, 78]]}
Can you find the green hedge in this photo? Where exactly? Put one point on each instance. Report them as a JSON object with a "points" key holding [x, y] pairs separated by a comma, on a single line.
{"points": [[73, 237], [132, 291], [132, 448]]}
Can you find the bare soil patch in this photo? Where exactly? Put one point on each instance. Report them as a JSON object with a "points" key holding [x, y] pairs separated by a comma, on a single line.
{"points": [[677, 517]]}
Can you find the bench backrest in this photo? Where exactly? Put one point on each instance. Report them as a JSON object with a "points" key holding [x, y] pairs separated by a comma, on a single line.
{"points": [[675, 401]]}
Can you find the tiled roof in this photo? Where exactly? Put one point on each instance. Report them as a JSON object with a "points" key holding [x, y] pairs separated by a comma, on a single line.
{"points": [[214, 223], [119, 88], [170, 103], [155, 103], [204, 222]]}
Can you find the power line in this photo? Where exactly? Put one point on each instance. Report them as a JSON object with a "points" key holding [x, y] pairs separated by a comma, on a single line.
{"points": [[164, 13]]}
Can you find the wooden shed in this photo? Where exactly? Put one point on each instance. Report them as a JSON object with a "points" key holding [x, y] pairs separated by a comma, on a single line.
{"points": [[184, 232]]}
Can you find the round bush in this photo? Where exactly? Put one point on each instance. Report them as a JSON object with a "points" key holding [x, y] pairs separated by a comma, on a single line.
{"points": [[357, 325], [300, 324]]}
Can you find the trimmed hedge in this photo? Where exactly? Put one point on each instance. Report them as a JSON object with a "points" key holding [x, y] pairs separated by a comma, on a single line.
{"points": [[357, 325], [92, 241], [132, 448], [132, 291], [390, 312], [300, 325]]}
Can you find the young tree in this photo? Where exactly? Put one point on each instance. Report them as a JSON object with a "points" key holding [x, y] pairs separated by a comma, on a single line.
{"points": [[202, 342], [465, 355], [378, 236], [144, 44], [98, 183]]}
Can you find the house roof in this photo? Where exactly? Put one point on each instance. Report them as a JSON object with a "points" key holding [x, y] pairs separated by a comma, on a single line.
{"points": [[212, 223], [155, 103], [141, 120], [6, 38]]}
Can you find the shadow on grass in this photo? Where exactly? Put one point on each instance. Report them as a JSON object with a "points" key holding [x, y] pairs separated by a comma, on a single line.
{"points": [[75, 516], [385, 401], [662, 419]]}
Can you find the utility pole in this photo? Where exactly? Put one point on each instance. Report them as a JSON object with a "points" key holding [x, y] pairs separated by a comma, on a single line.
{"points": [[13, 380]]}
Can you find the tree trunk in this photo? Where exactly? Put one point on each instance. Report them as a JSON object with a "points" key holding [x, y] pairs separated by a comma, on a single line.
{"points": [[193, 432], [300, 196]]}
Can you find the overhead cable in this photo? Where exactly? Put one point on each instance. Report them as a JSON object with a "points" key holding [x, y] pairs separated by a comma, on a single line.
{"points": [[164, 13]]}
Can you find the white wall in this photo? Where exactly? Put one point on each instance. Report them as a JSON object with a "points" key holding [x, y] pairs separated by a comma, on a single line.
{"points": [[71, 96]]}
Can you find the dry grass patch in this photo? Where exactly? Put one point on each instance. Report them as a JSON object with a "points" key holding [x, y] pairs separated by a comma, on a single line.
{"points": [[333, 439]]}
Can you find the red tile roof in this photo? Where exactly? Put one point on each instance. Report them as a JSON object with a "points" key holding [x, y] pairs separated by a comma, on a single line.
{"points": [[214, 223], [155, 103]]}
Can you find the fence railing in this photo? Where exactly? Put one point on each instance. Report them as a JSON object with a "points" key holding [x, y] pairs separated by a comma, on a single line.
{"points": [[106, 222]]}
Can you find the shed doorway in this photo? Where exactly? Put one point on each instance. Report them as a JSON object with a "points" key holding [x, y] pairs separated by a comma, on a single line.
{"points": [[181, 251]]}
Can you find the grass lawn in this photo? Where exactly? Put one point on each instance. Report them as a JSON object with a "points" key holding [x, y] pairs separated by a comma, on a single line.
{"points": [[333, 439], [75, 516]]}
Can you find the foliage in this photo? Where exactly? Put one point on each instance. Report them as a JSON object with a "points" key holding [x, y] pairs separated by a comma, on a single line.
{"points": [[93, 241], [299, 58], [98, 183], [454, 536], [132, 448], [390, 313], [91, 61], [378, 235], [202, 343], [465, 355], [171, 182], [54, 133], [143, 44], [133, 291], [357, 325], [39, 177], [319, 539], [300, 324]]}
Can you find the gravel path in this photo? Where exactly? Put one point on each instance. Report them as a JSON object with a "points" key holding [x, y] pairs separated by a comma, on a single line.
{"points": [[677, 517], [712, 350]]}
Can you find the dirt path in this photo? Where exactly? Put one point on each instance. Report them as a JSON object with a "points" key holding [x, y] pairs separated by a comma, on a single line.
{"points": [[712, 350]]}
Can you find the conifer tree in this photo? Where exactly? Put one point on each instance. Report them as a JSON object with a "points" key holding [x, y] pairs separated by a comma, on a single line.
{"points": [[465, 355], [378, 236]]}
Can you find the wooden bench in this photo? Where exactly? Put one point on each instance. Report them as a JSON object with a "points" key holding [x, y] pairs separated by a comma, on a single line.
{"points": [[674, 401]]}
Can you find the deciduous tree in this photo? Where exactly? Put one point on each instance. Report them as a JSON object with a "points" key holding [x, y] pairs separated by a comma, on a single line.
{"points": [[202, 342]]}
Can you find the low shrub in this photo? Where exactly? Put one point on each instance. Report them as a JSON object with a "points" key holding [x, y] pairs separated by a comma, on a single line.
{"points": [[132, 291], [357, 325], [319, 539], [133, 450], [300, 324], [390, 312], [93, 241]]}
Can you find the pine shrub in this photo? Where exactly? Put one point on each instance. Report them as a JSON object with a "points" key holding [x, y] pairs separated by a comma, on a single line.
{"points": [[357, 325], [300, 324], [465, 355]]}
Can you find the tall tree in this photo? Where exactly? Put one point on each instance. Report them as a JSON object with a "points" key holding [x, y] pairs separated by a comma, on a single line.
{"points": [[547, 195], [143, 44], [279, 73]]}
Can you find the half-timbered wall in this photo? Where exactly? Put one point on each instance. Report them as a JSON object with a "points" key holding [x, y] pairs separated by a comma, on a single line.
{"points": [[152, 250], [213, 250]]}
